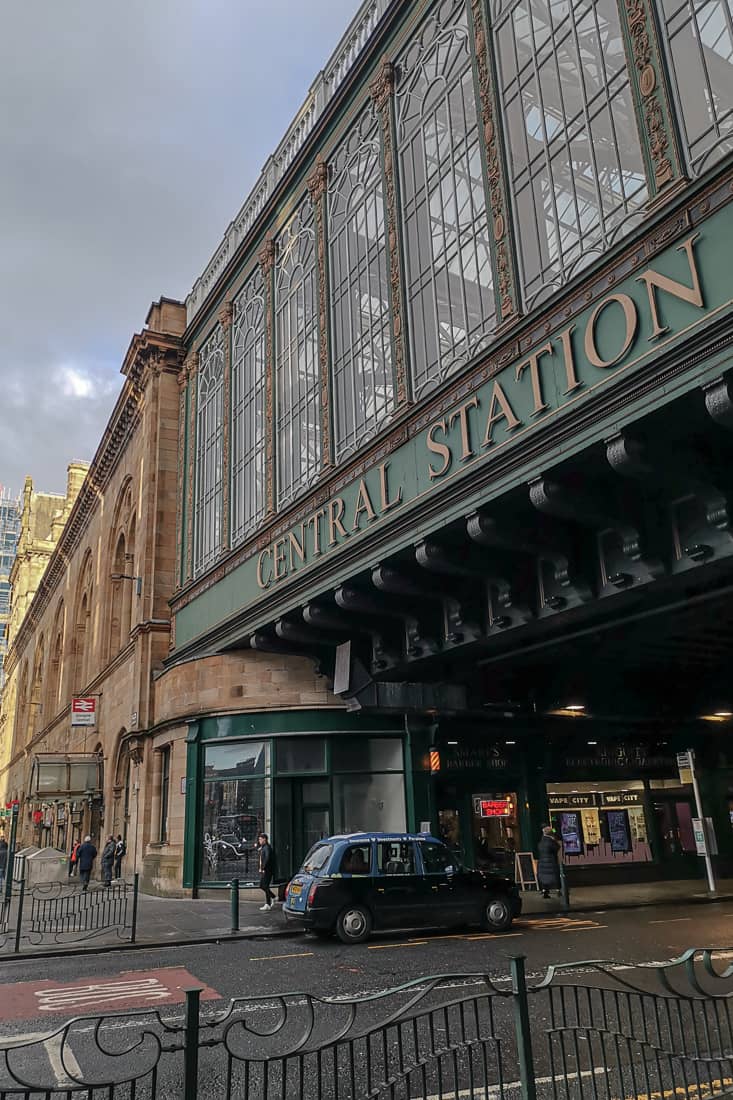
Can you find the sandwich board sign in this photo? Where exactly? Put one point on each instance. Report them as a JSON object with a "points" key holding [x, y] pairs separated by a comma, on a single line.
{"points": [[83, 711]]}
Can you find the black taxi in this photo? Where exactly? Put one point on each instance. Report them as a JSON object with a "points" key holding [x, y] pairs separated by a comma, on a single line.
{"points": [[353, 883]]}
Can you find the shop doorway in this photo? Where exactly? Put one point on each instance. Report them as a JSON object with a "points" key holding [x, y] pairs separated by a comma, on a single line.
{"points": [[302, 816], [674, 823]]}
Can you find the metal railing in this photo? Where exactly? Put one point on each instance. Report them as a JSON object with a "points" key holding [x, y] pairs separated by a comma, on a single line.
{"points": [[588, 1031], [62, 913]]}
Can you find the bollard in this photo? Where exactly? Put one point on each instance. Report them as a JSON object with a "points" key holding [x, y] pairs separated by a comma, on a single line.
{"points": [[234, 885], [135, 891], [564, 887], [191, 1041]]}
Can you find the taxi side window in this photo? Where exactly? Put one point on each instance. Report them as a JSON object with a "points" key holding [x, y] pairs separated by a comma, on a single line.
{"points": [[356, 860], [436, 859], [396, 857]]}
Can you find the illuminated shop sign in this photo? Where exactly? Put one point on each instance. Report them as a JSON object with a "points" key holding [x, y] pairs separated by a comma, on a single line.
{"points": [[495, 807]]}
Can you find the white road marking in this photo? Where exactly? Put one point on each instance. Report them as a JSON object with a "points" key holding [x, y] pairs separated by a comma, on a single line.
{"points": [[671, 920], [85, 996], [61, 1057]]}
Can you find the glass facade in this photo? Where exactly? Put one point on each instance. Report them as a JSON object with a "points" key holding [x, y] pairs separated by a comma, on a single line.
{"points": [[575, 161], [363, 387], [445, 225], [248, 409], [413, 201], [235, 808], [208, 508], [700, 42], [9, 533], [298, 423]]}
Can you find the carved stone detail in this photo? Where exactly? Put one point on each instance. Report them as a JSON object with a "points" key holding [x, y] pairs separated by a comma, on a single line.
{"points": [[654, 105], [317, 184], [266, 256], [382, 90], [506, 282], [719, 400]]}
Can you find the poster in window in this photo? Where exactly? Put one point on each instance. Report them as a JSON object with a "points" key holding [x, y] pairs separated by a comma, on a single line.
{"points": [[618, 830], [571, 833], [637, 822], [591, 826]]}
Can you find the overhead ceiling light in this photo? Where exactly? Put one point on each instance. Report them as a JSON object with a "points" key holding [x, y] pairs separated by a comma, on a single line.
{"points": [[723, 714], [592, 742], [574, 706], [510, 742], [452, 742], [717, 716]]}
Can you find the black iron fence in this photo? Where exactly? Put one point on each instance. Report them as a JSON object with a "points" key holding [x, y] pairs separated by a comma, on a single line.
{"points": [[63, 913], [590, 1031]]}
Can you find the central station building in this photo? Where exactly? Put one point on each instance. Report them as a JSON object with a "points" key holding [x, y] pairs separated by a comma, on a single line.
{"points": [[453, 545], [455, 478]]}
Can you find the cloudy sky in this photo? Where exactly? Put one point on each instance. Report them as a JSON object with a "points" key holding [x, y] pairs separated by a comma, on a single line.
{"points": [[130, 135]]}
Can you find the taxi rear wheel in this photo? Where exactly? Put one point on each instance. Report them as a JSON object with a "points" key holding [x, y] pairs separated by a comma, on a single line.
{"points": [[353, 924], [497, 915]]}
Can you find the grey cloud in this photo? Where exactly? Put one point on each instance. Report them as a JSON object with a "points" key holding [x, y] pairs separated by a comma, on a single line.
{"points": [[131, 134]]}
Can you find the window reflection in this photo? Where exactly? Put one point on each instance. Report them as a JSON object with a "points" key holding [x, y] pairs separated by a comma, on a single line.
{"points": [[248, 409], [361, 342], [700, 39], [208, 513], [575, 160], [448, 271]]}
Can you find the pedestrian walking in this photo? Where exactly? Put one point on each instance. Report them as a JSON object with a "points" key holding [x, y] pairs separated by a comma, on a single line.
{"points": [[548, 862], [85, 860], [266, 867], [120, 853], [108, 859], [74, 858], [3, 859]]}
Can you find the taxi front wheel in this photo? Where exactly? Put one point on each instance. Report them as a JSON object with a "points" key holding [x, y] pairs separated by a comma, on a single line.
{"points": [[497, 915], [353, 924]]}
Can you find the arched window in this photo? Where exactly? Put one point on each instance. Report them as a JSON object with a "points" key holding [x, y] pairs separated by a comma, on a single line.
{"points": [[208, 505], [82, 640], [21, 706], [363, 386], [35, 716], [119, 588], [248, 408], [55, 661], [129, 614], [297, 374], [449, 282], [575, 161]]}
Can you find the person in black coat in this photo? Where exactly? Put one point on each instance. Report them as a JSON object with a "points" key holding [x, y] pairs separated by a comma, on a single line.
{"points": [[548, 862], [108, 859], [266, 867], [85, 861]]}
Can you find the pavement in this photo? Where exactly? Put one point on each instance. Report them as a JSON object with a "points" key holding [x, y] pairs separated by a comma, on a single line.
{"points": [[176, 920]]}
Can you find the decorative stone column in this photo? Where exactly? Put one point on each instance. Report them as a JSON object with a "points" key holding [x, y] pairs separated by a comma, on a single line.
{"points": [[317, 187], [652, 100], [503, 255], [382, 91], [266, 258], [226, 314]]}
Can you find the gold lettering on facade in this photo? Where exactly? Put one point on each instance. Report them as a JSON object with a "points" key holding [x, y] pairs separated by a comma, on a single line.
{"points": [[505, 412], [565, 338], [462, 415], [313, 523], [533, 362], [438, 449], [654, 280], [631, 320], [281, 568], [266, 556], [363, 504], [335, 515], [384, 489], [296, 548]]}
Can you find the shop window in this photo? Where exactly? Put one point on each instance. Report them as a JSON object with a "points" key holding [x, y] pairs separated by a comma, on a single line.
{"points": [[165, 778], [371, 754], [495, 830], [396, 857], [366, 803], [298, 755], [235, 809], [603, 822]]}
